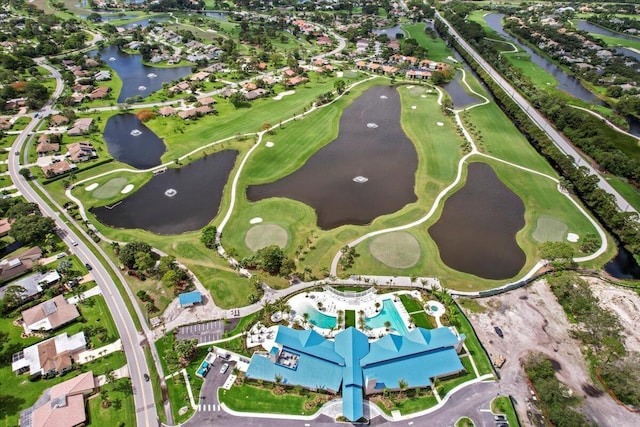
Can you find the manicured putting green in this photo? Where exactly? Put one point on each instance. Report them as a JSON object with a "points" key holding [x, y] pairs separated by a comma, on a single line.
{"points": [[397, 250], [549, 229], [263, 235], [110, 188]]}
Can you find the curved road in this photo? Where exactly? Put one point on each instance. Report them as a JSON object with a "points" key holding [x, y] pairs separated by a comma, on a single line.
{"points": [[559, 140], [131, 339]]}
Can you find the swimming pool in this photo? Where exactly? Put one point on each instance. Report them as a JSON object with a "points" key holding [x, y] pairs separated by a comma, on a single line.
{"points": [[390, 314], [319, 319]]}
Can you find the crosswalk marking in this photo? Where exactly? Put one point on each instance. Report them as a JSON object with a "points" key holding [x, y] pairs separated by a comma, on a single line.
{"points": [[209, 407]]}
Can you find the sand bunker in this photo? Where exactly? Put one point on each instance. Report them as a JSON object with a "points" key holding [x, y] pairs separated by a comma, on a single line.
{"points": [[413, 107], [269, 144], [281, 95], [410, 87], [440, 124], [339, 74], [573, 237], [92, 187], [127, 189], [256, 220]]}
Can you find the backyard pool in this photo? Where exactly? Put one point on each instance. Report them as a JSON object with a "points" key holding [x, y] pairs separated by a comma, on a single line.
{"points": [[387, 314], [319, 319]]}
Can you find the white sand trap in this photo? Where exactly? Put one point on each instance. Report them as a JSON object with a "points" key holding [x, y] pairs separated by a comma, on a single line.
{"points": [[423, 96], [339, 74], [281, 95], [440, 123], [410, 87], [573, 237], [269, 144], [413, 107], [127, 189], [92, 187], [256, 220]]}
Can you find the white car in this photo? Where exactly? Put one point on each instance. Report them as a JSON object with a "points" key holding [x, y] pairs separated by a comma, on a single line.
{"points": [[224, 368]]}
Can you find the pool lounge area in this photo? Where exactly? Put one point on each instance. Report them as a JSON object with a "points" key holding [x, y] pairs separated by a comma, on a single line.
{"points": [[322, 310]]}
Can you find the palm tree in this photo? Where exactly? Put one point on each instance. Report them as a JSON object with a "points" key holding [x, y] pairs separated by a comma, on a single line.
{"points": [[387, 325], [305, 316]]}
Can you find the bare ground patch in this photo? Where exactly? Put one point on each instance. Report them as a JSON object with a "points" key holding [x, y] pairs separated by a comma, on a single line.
{"points": [[533, 321]]}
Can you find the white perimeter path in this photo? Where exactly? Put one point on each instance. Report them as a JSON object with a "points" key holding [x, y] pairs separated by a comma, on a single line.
{"points": [[474, 152]]}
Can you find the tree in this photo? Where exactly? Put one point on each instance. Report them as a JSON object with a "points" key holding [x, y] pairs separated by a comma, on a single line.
{"points": [[560, 254], [26, 173], [31, 229], [144, 261], [340, 86], [270, 259], [238, 100], [127, 255], [208, 236], [170, 278], [13, 298]]}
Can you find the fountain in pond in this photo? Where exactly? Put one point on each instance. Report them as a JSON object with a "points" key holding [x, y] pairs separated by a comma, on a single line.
{"points": [[142, 88], [112, 59], [372, 125], [170, 192], [152, 75], [136, 132], [360, 179]]}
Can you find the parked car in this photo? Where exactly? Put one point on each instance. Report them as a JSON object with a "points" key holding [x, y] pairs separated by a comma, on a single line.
{"points": [[88, 266], [61, 255], [74, 243], [146, 377], [500, 417], [498, 331], [224, 368]]}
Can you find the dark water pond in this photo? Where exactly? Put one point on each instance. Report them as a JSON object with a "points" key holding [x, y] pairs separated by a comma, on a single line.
{"points": [[624, 265], [141, 151], [371, 144], [390, 32], [198, 192], [216, 15], [457, 93], [143, 23], [476, 233], [566, 82], [137, 78]]}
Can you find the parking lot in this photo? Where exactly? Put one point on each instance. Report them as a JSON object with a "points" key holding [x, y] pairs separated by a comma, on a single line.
{"points": [[203, 332]]}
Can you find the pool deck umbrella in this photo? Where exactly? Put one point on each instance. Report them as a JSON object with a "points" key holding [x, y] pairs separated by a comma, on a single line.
{"points": [[188, 299]]}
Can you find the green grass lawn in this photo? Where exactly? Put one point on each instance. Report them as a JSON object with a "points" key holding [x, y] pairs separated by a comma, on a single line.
{"points": [[349, 318], [412, 404], [410, 303], [480, 357], [94, 312], [21, 123], [445, 386], [437, 49], [122, 409], [248, 398], [504, 405], [465, 422], [421, 320]]}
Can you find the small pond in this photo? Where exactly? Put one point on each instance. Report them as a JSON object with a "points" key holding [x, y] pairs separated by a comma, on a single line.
{"points": [[476, 233], [138, 79], [130, 141], [144, 23], [194, 201], [458, 94], [390, 32], [366, 172], [624, 265]]}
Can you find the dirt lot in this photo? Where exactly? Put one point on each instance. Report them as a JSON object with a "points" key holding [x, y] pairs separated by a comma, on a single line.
{"points": [[533, 321]]}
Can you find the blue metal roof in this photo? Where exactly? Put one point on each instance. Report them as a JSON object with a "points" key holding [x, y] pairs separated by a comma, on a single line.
{"points": [[309, 342], [311, 372], [352, 403], [194, 297], [416, 370], [417, 341], [353, 345]]}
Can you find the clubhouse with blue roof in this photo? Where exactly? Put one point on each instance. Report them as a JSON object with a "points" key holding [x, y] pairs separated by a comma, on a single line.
{"points": [[352, 365]]}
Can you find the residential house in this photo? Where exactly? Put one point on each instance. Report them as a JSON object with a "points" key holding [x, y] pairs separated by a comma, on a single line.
{"points": [[81, 127], [102, 75], [197, 77], [46, 147], [167, 111], [180, 87], [15, 103], [81, 151], [91, 63], [295, 81], [33, 284], [99, 92], [50, 315], [209, 100], [57, 168], [418, 74], [23, 263], [323, 41], [58, 120], [51, 357], [289, 72], [255, 94], [62, 405], [187, 114], [5, 226], [203, 110], [5, 123]]}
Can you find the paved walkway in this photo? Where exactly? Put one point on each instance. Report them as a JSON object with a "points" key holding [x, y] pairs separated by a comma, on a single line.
{"points": [[89, 355], [78, 298]]}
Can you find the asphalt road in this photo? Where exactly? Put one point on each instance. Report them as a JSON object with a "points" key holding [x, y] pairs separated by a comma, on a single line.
{"points": [[131, 338], [559, 140]]}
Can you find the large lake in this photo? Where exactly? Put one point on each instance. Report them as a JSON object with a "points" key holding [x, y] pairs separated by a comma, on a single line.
{"points": [[476, 232], [131, 142], [137, 78], [194, 201], [371, 145]]}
